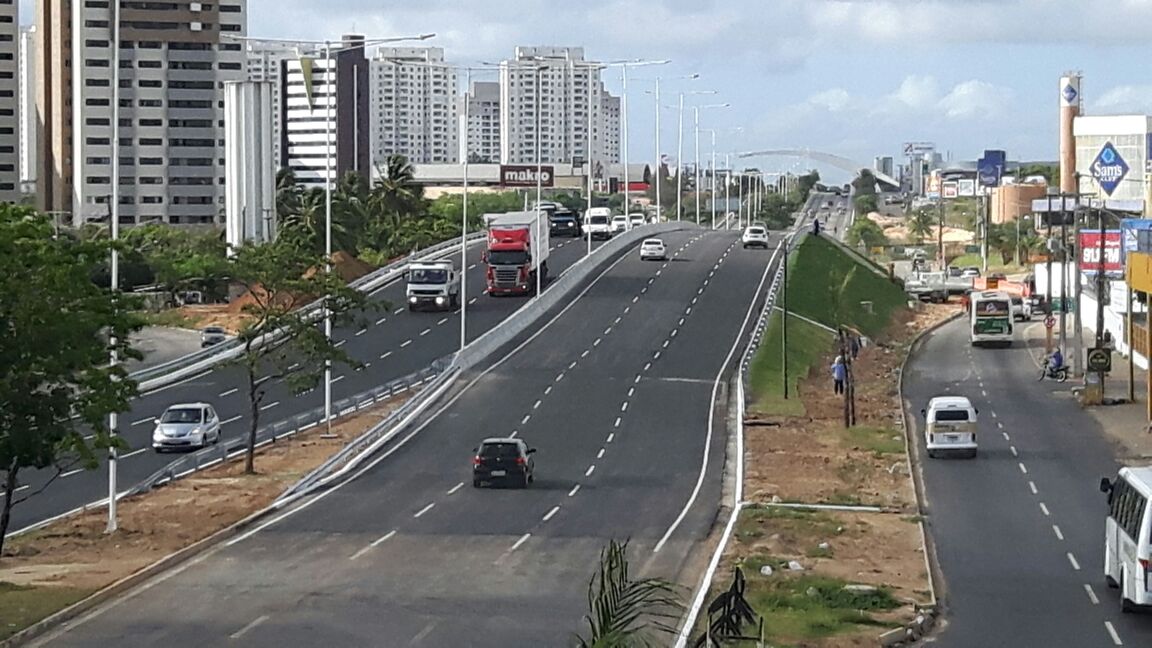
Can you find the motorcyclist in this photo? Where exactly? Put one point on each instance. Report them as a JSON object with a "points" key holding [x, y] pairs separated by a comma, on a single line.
{"points": [[1055, 361]]}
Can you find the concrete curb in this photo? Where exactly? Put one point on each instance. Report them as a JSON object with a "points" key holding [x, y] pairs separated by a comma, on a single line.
{"points": [[131, 581]]}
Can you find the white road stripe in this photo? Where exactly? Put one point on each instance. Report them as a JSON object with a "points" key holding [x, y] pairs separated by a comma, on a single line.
{"points": [[560, 376], [647, 366], [1023, 468], [398, 311], [425, 332], [442, 322], [631, 390], [405, 343], [524, 421], [596, 343], [375, 543], [456, 488], [361, 332], [1112, 633], [600, 455], [1056, 530], [572, 365], [472, 301], [574, 490], [1072, 559], [337, 379], [229, 392], [472, 267], [1013, 449], [536, 405], [554, 511], [243, 631], [588, 473], [624, 406], [424, 510], [617, 422], [143, 421], [1032, 485], [522, 540], [271, 405], [611, 435], [340, 343], [548, 390], [130, 454], [72, 472], [381, 321], [1091, 594], [1044, 509], [585, 354], [385, 355]]}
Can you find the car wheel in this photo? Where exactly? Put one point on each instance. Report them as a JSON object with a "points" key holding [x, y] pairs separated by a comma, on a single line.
{"points": [[1111, 582], [476, 483], [1127, 606], [931, 454]]}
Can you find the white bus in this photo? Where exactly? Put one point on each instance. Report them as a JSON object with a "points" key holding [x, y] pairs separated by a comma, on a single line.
{"points": [[991, 318], [1128, 536]]}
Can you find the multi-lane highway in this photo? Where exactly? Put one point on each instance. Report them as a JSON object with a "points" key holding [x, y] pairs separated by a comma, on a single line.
{"points": [[1019, 532], [622, 393], [394, 343]]}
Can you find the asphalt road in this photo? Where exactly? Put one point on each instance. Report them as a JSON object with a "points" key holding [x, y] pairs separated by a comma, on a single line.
{"points": [[394, 343], [616, 392], [1018, 531], [161, 344]]}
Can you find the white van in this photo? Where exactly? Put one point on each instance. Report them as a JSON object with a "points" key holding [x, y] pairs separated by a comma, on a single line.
{"points": [[1127, 541], [950, 426]]}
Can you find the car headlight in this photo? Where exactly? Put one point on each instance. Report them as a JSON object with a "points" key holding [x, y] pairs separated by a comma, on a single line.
{"points": [[439, 300], [412, 299]]}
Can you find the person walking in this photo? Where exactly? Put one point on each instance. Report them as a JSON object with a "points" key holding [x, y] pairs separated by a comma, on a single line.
{"points": [[839, 374]]}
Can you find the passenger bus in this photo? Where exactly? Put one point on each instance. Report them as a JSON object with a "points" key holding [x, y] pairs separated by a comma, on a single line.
{"points": [[991, 318]]}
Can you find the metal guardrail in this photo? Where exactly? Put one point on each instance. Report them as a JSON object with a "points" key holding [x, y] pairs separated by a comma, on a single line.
{"points": [[369, 281], [211, 456], [769, 305]]}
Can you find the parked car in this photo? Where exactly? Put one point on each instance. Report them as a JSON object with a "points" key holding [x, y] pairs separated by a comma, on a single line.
{"points": [[970, 272], [1021, 309], [653, 249], [186, 426], [503, 459], [211, 335], [755, 237]]}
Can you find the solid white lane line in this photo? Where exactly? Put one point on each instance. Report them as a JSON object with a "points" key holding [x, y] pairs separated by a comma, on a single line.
{"points": [[385, 355], [424, 510], [375, 543], [554, 511], [600, 455], [381, 321], [1072, 559], [1023, 468], [1032, 486], [1112, 633], [271, 405], [229, 392], [588, 473], [1056, 530], [456, 488], [574, 490], [130, 454], [361, 332], [1091, 594], [243, 631], [142, 421], [522, 540], [405, 343], [425, 332], [1044, 509], [611, 435]]}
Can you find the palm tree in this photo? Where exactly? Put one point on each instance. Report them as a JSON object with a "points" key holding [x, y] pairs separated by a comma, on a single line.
{"points": [[395, 189], [920, 225], [288, 192], [621, 610]]}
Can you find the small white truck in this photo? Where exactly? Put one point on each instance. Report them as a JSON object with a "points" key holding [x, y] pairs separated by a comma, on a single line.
{"points": [[432, 285]]}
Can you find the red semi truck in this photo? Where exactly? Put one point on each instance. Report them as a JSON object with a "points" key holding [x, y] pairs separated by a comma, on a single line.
{"points": [[518, 249]]}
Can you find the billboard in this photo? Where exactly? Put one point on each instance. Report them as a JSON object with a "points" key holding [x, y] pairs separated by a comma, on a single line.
{"points": [[990, 168], [932, 185], [521, 175], [949, 189], [1109, 168], [1135, 231], [966, 187], [915, 149], [1088, 251]]}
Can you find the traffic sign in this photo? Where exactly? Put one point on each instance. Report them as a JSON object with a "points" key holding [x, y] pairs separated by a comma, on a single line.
{"points": [[1099, 359], [1049, 322]]}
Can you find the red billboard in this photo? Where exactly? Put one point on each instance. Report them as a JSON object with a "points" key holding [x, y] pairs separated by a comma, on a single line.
{"points": [[1089, 250]]}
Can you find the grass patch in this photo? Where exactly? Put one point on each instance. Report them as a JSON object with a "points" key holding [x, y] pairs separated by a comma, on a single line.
{"points": [[806, 345], [22, 606], [171, 317], [758, 521], [802, 607], [879, 441]]}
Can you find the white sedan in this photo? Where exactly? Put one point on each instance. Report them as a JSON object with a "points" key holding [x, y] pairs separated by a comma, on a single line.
{"points": [[755, 237], [653, 249]]}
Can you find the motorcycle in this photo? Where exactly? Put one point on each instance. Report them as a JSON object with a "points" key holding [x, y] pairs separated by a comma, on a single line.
{"points": [[1059, 374]]}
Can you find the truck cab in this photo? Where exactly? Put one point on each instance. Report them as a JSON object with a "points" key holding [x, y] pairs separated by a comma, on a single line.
{"points": [[518, 248], [432, 285]]}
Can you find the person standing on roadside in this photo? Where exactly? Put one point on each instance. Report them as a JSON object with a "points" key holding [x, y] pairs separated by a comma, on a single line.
{"points": [[839, 374]]}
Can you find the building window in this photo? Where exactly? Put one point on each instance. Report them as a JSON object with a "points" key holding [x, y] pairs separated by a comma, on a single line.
{"points": [[151, 141], [95, 102], [96, 83], [95, 42], [150, 103], [151, 161], [149, 64], [96, 24], [151, 122], [151, 83], [98, 180], [154, 200], [96, 63]]}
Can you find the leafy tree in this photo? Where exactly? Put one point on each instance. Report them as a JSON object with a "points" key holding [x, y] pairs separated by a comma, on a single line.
{"points": [[865, 183], [921, 224], [60, 327], [279, 340], [395, 190], [866, 204], [805, 184], [865, 231], [180, 259], [1050, 172], [776, 211], [622, 609]]}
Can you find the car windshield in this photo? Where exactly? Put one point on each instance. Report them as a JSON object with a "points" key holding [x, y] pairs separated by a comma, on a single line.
{"points": [[428, 276], [567, 220], [598, 220], [755, 230], [653, 243], [952, 415], [213, 329], [507, 257], [182, 415], [504, 450]]}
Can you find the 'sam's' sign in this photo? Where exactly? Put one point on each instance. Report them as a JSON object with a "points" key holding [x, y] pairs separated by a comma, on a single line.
{"points": [[1109, 168]]}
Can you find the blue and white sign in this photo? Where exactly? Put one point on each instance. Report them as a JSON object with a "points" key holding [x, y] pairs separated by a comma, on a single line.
{"points": [[1109, 168], [1069, 94]]}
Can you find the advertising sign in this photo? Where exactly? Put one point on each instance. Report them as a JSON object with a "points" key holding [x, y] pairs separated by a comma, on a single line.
{"points": [[1134, 230], [1109, 168], [1089, 252], [933, 186], [950, 190], [967, 187], [990, 168], [918, 148], [518, 175]]}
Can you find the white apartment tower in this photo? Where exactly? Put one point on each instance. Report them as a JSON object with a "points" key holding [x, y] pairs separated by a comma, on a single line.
{"points": [[29, 127], [480, 135], [250, 184], [264, 64], [608, 147], [174, 58], [414, 104], [566, 86], [9, 102]]}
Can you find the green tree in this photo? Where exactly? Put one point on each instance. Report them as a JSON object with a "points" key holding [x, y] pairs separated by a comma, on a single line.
{"points": [[622, 610], [777, 212], [1050, 172], [180, 259], [59, 328], [865, 183], [921, 224], [395, 190], [866, 204], [279, 340], [865, 231], [288, 193], [805, 184]]}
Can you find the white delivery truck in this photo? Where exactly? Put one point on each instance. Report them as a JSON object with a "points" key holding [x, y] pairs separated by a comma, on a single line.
{"points": [[432, 285], [598, 223]]}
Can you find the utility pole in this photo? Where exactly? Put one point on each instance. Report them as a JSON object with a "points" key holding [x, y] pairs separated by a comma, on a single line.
{"points": [[1101, 286], [784, 323], [940, 236], [1048, 279]]}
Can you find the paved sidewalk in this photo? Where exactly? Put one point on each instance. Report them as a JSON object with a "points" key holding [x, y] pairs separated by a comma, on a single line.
{"points": [[1125, 423]]}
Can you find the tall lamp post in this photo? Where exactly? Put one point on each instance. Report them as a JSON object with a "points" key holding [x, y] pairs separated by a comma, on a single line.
{"points": [[659, 158], [624, 126], [680, 150], [114, 226], [696, 127]]}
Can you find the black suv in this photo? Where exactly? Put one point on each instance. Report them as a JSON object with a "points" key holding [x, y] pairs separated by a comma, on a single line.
{"points": [[565, 223], [508, 460]]}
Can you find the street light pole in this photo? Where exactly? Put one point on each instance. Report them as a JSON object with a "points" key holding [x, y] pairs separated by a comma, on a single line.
{"points": [[539, 186], [712, 185], [727, 185], [624, 144], [591, 166], [329, 99], [114, 226], [464, 218], [659, 170], [680, 163]]}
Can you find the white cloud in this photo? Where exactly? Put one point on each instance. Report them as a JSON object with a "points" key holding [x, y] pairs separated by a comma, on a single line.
{"points": [[833, 100], [1126, 98], [975, 100]]}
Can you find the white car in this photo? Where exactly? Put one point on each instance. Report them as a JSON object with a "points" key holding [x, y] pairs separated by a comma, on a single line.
{"points": [[186, 426], [1021, 309], [755, 237], [636, 220], [619, 223], [653, 249]]}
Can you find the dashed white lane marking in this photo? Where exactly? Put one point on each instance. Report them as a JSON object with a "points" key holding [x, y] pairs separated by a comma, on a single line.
{"points": [[398, 311], [666, 343], [524, 421], [456, 488], [600, 455], [993, 413], [1006, 437], [574, 490], [631, 390], [1072, 559], [999, 425], [337, 379], [983, 393], [548, 390], [424, 510], [635, 299], [586, 352], [588, 473], [554, 511], [472, 267], [689, 311], [607, 330], [1056, 530], [1112, 633], [611, 435], [405, 343], [627, 309], [1091, 594], [472, 301], [514, 433], [442, 322], [1044, 510], [1013, 449], [71, 472], [229, 392], [656, 356], [255, 622], [361, 332], [1023, 468], [381, 321], [521, 541], [385, 355], [560, 376], [596, 343], [340, 343], [618, 320], [272, 404], [375, 543], [572, 365], [231, 420], [618, 419], [1032, 487], [425, 332], [125, 456], [681, 322], [536, 405], [142, 421], [637, 380], [624, 406]]}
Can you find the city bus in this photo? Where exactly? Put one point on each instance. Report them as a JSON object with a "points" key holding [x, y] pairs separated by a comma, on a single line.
{"points": [[991, 318]]}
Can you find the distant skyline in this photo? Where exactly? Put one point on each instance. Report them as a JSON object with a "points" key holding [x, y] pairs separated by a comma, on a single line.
{"points": [[850, 77]]}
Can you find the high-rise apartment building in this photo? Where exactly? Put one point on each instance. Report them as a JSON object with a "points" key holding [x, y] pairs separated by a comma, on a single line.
{"points": [[565, 85], [607, 147], [174, 58], [479, 136], [29, 127], [325, 114], [9, 102], [414, 103], [265, 62]]}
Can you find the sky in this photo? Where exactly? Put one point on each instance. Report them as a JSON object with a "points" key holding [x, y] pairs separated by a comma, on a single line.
{"points": [[854, 78]]}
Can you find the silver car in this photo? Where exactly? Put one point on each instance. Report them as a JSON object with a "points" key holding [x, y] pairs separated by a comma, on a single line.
{"points": [[211, 335], [186, 426]]}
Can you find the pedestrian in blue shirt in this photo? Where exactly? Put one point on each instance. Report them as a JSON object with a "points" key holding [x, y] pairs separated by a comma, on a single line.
{"points": [[839, 374]]}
